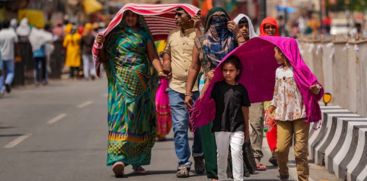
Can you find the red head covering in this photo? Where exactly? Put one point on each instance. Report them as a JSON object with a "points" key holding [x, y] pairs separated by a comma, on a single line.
{"points": [[269, 20]]}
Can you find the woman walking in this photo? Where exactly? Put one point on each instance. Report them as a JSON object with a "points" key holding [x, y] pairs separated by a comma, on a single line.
{"points": [[129, 56], [219, 39]]}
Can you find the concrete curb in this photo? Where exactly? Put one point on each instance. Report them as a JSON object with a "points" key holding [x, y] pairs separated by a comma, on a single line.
{"points": [[340, 144]]}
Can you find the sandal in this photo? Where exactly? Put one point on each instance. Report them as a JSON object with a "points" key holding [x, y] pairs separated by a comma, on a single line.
{"points": [[118, 169], [260, 167], [182, 172], [139, 170]]}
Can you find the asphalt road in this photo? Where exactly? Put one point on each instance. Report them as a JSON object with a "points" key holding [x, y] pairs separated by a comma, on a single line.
{"points": [[58, 132]]}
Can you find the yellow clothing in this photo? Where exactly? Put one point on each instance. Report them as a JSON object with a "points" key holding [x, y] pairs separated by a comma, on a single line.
{"points": [[179, 46], [72, 44]]}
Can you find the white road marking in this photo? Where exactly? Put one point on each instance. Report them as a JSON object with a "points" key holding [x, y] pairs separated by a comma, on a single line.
{"points": [[56, 118], [84, 104], [17, 141]]}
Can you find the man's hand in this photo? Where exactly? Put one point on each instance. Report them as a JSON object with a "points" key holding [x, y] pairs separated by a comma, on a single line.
{"points": [[188, 101], [197, 21]]}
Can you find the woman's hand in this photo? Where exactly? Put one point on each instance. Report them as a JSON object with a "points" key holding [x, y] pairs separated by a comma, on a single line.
{"points": [[232, 27], [100, 39], [246, 134], [315, 89], [210, 75], [162, 75], [269, 114]]}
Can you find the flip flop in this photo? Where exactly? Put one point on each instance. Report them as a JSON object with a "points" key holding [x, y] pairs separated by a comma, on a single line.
{"points": [[260, 167], [140, 170]]}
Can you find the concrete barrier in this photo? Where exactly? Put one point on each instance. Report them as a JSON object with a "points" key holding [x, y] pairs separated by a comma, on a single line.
{"points": [[338, 139], [359, 161], [363, 175], [342, 68], [348, 149], [330, 130], [317, 135]]}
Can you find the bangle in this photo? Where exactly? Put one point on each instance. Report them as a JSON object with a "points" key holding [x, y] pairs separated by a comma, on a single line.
{"points": [[188, 94]]}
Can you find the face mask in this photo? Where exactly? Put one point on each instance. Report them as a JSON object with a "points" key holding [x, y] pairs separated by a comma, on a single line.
{"points": [[220, 24]]}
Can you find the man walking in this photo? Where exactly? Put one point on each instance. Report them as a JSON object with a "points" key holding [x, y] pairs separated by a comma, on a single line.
{"points": [[8, 38], [177, 58]]}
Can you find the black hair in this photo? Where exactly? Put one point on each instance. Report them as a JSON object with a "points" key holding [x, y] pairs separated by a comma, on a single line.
{"points": [[181, 9], [243, 21], [234, 60]]}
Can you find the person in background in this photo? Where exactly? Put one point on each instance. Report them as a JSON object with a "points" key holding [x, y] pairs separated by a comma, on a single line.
{"points": [[8, 38], [218, 40], [1, 76], [13, 24], [268, 27], [72, 44], [39, 56], [87, 41], [24, 49], [246, 32]]}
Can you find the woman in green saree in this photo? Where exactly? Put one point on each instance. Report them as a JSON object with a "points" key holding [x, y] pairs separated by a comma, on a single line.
{"points": [[129, 57]]}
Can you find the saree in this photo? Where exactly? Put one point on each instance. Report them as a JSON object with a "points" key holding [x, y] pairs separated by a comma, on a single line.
{"points": [[131, 86]]}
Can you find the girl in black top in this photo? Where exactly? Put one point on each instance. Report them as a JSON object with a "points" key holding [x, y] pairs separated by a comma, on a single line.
{"points": [[231, 120]]}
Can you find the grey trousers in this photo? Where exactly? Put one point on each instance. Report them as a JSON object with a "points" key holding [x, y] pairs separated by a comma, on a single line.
{"points": [[257, 129]]}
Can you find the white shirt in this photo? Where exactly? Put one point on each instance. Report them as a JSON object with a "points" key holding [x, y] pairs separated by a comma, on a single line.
{"points": [[8, 38]]}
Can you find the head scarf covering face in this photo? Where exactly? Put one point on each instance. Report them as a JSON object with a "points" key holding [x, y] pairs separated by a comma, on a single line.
{"points": [[272, 21], [251, 29], [23, 29], [218, 41]]}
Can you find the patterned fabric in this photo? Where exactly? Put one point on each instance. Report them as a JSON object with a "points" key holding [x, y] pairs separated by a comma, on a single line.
{"points": [[160, 20], [217, 41], [131, 110], [287, 98]]}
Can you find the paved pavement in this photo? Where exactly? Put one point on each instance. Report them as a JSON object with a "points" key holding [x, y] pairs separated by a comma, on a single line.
{"points": [[58, 132]]}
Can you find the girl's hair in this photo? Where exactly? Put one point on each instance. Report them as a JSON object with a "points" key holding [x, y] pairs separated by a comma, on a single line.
{"points": [[243, 21], [285, 57], [234, 60]]}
